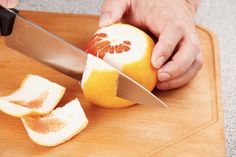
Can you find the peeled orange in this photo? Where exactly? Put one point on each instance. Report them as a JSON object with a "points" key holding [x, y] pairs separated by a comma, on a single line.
{"points": [[129, 50], [58, 126], [99, 84], [36, 95]]}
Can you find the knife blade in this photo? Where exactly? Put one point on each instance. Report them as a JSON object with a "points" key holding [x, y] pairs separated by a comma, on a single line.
{"points": [[35, 42]]}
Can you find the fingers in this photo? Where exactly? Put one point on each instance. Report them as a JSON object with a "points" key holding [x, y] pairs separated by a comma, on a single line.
{"points": [[112, 11], [9, 3], [166, 44], [182, 60], [183, 79]]}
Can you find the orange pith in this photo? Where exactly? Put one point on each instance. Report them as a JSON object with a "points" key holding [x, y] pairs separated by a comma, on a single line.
{"points": [[36, 103], [108, 93], [136, 69], [44, 126], [35, 96]]}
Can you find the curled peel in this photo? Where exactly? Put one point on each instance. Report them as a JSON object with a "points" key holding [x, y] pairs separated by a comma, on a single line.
{"points": [[58, 126], [34, 102], [35, 96]]}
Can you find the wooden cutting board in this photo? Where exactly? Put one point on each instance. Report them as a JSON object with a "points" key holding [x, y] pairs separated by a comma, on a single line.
{"points": [[192, 126]]}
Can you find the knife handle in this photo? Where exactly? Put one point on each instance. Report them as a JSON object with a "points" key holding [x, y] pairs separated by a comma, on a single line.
{"points": [[7, 18]]}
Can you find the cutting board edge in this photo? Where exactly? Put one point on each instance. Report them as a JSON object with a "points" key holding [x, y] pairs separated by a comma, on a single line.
{"points": [[217, 68], [218, 118]]}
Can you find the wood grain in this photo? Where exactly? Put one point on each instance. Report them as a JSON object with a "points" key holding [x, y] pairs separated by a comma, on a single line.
{"points": [[192, 126]]}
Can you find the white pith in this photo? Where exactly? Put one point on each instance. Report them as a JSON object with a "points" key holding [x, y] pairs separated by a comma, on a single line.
{"points": [[94, 63], [73, 117], [31, 89], [118, 33]]}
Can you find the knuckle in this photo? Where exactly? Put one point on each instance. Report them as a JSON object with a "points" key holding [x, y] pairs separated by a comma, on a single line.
{"points": [[178, 26], [179, 82], [166, 45], [196, 47], [4, 3], [177, 70], [106, 6], [164, 16], [162, 12], [195, 44], [164, 54], [199, 63], [168, 48], [173, 84]]}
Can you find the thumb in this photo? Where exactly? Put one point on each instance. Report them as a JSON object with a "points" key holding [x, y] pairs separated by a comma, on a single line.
{"points": [[9, 3], [112, 11]]}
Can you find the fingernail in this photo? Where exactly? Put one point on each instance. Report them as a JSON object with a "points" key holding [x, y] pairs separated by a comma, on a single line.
{"points": [[163, 76], [163, 85], [104, 19], [12, 3]]}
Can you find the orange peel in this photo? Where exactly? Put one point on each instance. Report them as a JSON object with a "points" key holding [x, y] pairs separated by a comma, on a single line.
{"points": [[36, 96], [58, 126]]}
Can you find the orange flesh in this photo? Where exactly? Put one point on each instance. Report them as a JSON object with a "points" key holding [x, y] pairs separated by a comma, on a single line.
{"points": [[99, 46], [36, 103], [127, 42]]}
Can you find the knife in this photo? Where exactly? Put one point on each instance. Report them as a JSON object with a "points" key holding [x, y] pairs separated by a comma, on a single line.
{"points": [[33, 41]]}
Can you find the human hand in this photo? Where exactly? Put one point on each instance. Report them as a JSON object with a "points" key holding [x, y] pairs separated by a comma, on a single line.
{"points": [[177, 53], [8, 3]]}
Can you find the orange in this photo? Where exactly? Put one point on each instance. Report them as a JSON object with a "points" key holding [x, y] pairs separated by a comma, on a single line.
{"points": [[129, 50]]}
